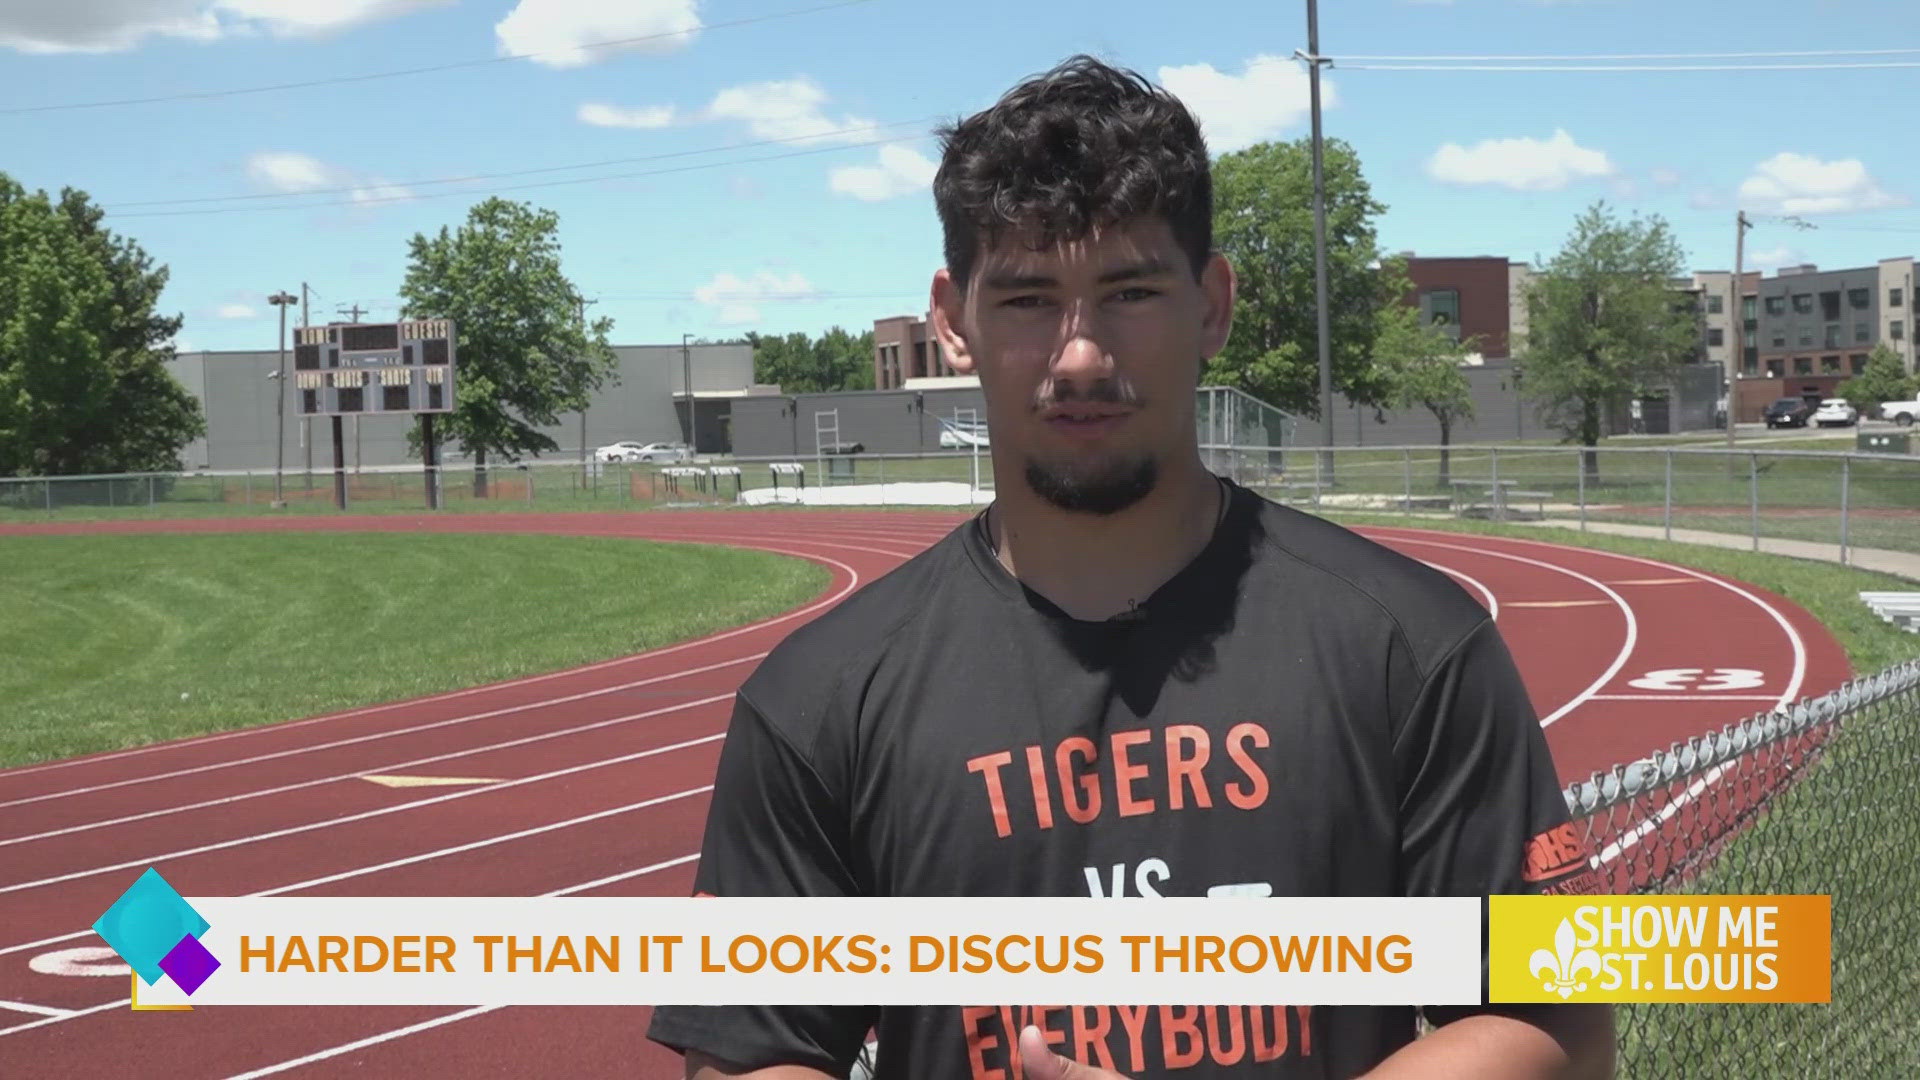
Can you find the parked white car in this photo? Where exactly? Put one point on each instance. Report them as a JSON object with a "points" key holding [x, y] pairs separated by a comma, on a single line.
{"points": [[1835, 410], [1903, 413], [643, 452]]}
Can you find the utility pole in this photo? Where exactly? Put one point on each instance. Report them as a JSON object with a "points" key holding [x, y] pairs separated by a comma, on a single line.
{"points": [[1320, 247], [280, 300], [686, 364], [584, 476], [1739, 352], [355, 310]]}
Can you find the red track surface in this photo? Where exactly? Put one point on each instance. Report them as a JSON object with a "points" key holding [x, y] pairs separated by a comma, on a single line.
{"points": [[603, 775]]}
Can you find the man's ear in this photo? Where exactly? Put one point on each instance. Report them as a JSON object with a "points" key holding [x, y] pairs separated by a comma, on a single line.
{"points": [[1217, 290], [949, 315]]}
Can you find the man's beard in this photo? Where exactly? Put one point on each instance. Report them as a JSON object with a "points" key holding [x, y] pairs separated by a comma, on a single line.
{"points": [[1104, 489]]}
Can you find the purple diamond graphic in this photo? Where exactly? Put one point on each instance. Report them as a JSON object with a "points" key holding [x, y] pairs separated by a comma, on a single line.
{"points": [[189, 963]]}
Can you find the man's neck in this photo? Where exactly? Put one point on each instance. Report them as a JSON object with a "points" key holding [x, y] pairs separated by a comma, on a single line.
{"points": [[1094, 567]]}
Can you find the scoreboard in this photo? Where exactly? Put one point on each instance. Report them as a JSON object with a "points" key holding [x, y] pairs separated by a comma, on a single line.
{"points": [[361, 369]]}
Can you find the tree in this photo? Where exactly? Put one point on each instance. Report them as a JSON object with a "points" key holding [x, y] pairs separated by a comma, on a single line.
{"points": [[524, 349], [799, 364], [1263, 223], [1884, 379], [1604, 322], [83, 382], [1421, 366]]}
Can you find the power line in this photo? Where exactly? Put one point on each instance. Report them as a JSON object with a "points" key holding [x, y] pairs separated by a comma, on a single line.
{"points": [[523, 187], [338, 79], [1655, 56], [1626, 67], [522, 172]]}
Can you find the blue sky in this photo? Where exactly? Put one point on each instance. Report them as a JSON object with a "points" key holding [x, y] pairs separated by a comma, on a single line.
{"points": [[839, 230]]}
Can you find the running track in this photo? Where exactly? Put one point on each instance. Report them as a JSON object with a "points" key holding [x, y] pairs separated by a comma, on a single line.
{"points": [[601, 789]]}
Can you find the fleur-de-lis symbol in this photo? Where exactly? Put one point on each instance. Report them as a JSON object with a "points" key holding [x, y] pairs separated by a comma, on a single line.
{"points": [[1563, 968]]}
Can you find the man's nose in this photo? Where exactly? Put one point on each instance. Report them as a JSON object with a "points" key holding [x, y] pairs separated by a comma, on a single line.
{"points": [[1081, 359]]}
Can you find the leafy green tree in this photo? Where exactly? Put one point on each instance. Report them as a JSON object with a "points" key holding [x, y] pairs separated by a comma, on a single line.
{"points": [[1263, 223], [1884, 379], [1605, 322], [525, 351], [83, 383], [800, 364], [1420, 365]]}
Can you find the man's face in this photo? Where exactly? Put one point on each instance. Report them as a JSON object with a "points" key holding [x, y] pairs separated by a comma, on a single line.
{"points": [[1088, 354]]}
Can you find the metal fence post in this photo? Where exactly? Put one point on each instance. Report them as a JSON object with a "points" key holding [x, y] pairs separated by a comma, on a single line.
{"points": [[1753, 495], [48, 485], [1846, 473], [1666, 512], [1580, 472], [1406, 454], [150, 482]]}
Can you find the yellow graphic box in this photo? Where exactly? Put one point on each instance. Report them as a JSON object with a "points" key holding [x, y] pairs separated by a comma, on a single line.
{"points": [[1660, 948]]}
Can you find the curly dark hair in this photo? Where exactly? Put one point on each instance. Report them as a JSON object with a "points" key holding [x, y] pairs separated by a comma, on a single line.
{"points": [[1084, 145]]}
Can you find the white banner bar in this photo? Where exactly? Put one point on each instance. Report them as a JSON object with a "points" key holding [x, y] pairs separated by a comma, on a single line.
{"points": [[893, 951]]}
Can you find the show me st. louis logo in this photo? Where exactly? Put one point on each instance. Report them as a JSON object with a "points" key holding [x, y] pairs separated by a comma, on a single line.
{"points": [[157, 933]]}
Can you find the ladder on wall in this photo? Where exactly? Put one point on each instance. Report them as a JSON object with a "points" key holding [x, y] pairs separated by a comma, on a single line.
{"points": [[826, 432]]}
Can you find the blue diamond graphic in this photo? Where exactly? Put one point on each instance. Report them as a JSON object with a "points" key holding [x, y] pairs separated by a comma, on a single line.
{"points": [[146, 923]]}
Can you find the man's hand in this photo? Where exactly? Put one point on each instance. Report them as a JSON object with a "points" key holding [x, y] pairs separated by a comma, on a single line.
{"points": [[1043, 1064]]}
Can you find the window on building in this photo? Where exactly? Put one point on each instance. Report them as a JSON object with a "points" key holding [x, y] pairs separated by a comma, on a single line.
{"points": [[1829, 365], [1716, 337], [1896, 330], [1776, 367], [1830, 305], [1776, 305], [1803, 303], [1893, 298], [1752, 356], [1803, 365], [1440, 309], [1746, 309], [1713, 305], [1857, 363], [1779, 340], [1862, 333], [1859, 299], [1806, 338], [1833, 335], [1748, 366]]}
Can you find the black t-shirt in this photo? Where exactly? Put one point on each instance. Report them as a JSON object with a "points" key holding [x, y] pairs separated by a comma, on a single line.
{"points": [[1298, 712]]}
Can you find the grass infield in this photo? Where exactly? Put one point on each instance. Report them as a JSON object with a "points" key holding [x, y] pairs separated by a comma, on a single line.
{"points": [[118, 641]]}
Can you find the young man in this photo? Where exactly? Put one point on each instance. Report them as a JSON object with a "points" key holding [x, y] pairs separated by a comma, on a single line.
{"points": [[1126, 676]]}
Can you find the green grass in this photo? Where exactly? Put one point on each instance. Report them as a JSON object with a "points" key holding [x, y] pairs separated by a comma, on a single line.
{"points": [[117, 641]]}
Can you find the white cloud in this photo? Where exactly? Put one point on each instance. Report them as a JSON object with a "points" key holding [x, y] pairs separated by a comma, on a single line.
{"points": [[599, 115], [562, 30], [901, 171], [289, 173], [792, 109], [1521, 164], [736, 301], [1269, 96], [235, 311], [1774, 258], [107, 26], [1789, 183]]}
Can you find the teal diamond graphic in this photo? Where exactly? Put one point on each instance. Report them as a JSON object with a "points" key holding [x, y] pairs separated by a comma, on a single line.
{"points": [[145, 924]]}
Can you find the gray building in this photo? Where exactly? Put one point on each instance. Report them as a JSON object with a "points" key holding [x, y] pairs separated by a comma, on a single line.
{"points": [[1818, 323], [644, 401], [905, 420]]}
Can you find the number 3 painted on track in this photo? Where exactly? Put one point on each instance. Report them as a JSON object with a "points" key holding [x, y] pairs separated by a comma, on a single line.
{"points": [[1690, 678]]}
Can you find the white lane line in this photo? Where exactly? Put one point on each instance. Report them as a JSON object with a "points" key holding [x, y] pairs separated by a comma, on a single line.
{"points": [[399, 808], [376, 769], [852, 583], [1684, 697], [1493, 603], [1631, 638], [37, 1010]]}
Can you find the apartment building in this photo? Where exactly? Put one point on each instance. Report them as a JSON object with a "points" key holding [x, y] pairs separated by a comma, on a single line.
{"points": [[905, 347]]}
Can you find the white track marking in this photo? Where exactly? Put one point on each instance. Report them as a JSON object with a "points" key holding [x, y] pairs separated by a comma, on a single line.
{"points": [[399, 808], [1632, 636], [74, 1015], [357, 773], [1683, 697], [37, 1010], [1493, 603], [853, 582]]}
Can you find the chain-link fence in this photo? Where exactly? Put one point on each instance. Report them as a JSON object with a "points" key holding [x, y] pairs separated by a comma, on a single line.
{"points": [[1818, 798]]}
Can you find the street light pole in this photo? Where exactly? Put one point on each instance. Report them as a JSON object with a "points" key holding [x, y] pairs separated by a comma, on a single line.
{"points": [[281, 300], [686, 364], [1320, 247]]}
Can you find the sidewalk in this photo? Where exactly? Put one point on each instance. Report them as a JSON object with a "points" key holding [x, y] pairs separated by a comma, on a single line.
{"points": [[1904, 564]]}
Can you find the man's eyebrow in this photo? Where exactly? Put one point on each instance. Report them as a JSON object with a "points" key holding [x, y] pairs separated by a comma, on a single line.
{"points": [[1153, 267]]}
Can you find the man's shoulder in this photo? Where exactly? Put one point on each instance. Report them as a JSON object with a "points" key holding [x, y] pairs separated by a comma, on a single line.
{"points": [[1426, 606], [796, 683]]}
